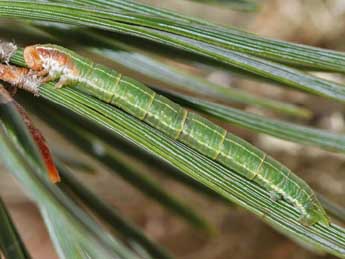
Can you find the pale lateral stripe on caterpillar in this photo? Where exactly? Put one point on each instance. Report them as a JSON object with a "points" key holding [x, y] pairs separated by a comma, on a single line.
{"points": [[173, 120]]}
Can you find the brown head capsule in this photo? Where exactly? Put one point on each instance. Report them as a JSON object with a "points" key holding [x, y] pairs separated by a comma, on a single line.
{"points": [[51, 62], [42, 57], [32, 58]]}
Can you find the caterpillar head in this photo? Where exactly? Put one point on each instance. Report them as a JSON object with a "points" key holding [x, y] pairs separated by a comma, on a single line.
{"points": [[33, 58]]}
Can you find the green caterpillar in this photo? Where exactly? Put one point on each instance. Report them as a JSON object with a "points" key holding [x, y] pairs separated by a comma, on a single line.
{"points": [[187, 127]]}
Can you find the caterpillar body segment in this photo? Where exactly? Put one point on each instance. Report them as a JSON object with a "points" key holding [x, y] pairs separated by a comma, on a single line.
{"points": [[175, 121]]}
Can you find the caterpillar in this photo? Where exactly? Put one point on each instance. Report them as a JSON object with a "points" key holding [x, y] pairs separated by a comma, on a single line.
{"points": [[70, 69]]}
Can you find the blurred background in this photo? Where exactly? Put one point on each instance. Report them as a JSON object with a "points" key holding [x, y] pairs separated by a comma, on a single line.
{"points": [[239, 234]]}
